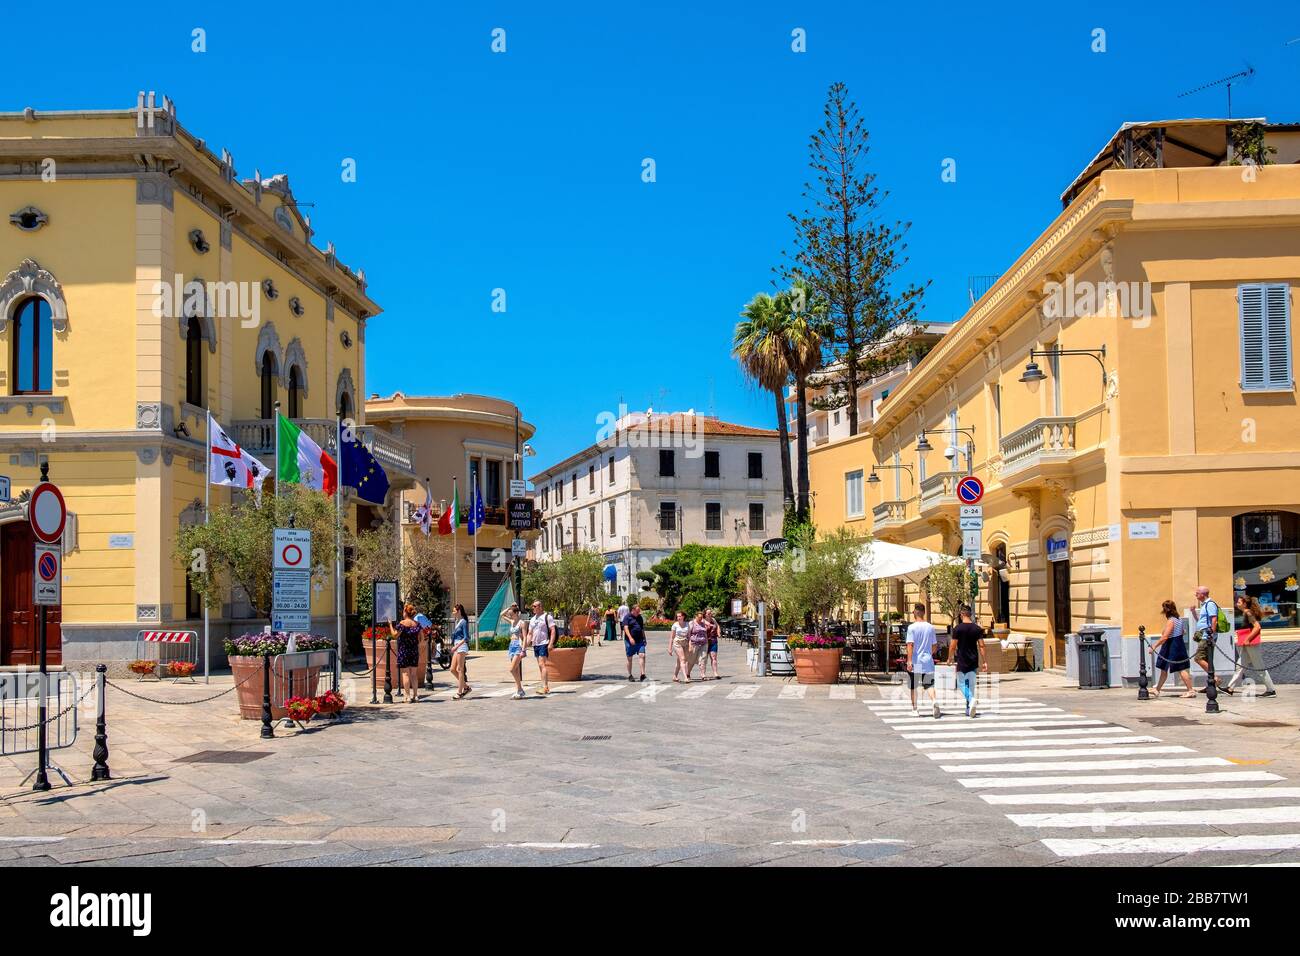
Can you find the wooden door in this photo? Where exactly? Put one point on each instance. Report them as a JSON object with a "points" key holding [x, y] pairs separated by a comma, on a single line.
{"points": [[19, 617], [1060, 606]]}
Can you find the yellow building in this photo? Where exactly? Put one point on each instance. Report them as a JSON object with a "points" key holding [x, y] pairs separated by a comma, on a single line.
{"points": [[1126, 393], [479, 441], [143, 283]]}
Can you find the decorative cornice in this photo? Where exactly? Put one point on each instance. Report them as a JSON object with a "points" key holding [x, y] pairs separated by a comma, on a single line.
{"points": [[27, 280]]}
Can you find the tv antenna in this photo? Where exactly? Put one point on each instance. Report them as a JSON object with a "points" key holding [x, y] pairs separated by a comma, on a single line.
{"points": [[1241, 75]]}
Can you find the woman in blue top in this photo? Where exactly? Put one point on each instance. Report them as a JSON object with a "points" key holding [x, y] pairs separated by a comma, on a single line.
{"points": [[460, 650]]}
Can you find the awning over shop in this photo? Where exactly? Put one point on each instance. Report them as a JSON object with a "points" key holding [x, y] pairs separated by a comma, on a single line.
{"points": [[882, 559]]}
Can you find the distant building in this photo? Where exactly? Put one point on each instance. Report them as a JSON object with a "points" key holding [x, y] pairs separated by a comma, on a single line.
{"points": [[657, 482]]}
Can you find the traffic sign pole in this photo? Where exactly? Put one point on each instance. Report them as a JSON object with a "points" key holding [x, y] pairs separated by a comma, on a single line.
{"points": [[41, 524]]}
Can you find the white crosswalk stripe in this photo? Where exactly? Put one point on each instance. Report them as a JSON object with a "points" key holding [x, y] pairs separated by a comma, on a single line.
{"points": [[1083, 763], [792, 692], [649, 692], [1092, 780], [843, 692], [604, 689], [696, 692], [1040, 742], [1170, 795], [743, 692]]}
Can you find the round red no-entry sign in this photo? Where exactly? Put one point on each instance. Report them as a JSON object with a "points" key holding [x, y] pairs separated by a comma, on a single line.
{"points": [[291, 555], [47, 512]]}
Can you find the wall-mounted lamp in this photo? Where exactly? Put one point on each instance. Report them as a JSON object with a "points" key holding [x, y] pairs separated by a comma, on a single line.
{"points": [[1033, 374]]}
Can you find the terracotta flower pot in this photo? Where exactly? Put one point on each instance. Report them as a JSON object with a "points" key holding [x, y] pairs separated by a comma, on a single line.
{"points": [[565, 663], [373, 648], [817, 666], [247, 672]]}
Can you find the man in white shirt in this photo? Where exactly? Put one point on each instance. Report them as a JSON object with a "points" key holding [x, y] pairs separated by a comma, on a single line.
{"points": [[921, 642]]}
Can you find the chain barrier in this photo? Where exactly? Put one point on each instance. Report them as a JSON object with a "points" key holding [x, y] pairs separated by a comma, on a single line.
{"points": [[49, 719], [180, 703], [1151, 648]]}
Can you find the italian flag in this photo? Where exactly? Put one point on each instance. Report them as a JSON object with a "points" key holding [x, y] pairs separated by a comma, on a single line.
{"points": [[449, 520], [300, 460]]}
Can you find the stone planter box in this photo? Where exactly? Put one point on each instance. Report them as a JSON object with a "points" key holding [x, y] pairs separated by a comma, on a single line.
{"points": [[817, 666], [565, 663], [373, 648], [247, 672]]}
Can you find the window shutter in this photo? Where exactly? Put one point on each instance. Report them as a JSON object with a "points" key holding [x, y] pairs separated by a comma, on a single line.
{"points": [[1277, 333], [1250, 305], [69, 542]]}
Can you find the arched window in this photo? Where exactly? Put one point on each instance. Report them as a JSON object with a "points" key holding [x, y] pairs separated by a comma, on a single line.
{"points": [[268, 385], [345, 406], [295, 393], [1265, 553], [194, 364], [33, 348]]}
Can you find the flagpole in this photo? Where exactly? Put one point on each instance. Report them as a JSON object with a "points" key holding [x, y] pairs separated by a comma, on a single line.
{"points": [[207, 508], [276, 423], [473, 562], [338, 542], [455, 586]]}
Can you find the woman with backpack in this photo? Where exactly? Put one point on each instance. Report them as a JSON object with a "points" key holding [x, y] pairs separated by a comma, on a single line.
{"points": [[1171, 651], [1248, 654]]}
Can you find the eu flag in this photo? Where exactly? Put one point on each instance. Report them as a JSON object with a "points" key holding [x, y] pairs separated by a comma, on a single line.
{"points": [[476, 513], [362, 472]]}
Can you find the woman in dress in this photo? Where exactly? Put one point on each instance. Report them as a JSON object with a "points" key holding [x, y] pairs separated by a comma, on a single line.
{"points": [[460, 650], [518, 629], [711, 650], [680, 647], [1248, 655], [699, 639], [407, 633], [1171, 651]]}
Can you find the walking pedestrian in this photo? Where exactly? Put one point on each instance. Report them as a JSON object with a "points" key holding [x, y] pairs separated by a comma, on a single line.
{"points": [[460, 650], [1207, 626], [711, 649], [679, 647], [634, 639], [542, 627], [1171, 651], [407, 633], [698, 641], [611, 625], [518, 632], [1249, 656], [921, 642], [966, 651]]}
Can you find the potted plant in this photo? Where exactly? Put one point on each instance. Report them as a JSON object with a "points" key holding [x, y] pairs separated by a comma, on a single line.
{"points": [[376, 640], [246, 652], [330, 702], [180, 669], [816, 658], [567, 657], [300, 709], [142, 668]]}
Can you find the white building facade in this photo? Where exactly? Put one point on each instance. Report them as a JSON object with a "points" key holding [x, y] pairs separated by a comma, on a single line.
{"points": [[660, 482]]}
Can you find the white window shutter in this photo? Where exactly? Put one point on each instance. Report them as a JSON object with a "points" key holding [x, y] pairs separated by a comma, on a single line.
{"points": [[1250, 307], [1277, 332]]}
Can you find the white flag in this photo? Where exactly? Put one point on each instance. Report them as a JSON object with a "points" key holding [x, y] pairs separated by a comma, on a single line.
{"points": [[230, 465]]}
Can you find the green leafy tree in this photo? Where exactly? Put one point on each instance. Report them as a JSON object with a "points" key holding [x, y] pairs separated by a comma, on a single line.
{"points": [[758, 346], [567, 586], [233, 549], [701, 576], [950, 586], [816, 576], [849, 257]]}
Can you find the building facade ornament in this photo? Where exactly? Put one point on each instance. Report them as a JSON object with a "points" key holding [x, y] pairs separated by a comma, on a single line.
{"points": [[147, 614], [196, 304], [154, 189], [268, 340], [343, 387], [1112, 383], [148, 415], [27, 280], [147, 456], [29, 219], [295, 355]]}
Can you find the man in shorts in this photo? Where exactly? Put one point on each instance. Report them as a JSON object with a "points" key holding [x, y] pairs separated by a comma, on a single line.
{"points": [[634, 639], [1204, 632], [921, 642]]}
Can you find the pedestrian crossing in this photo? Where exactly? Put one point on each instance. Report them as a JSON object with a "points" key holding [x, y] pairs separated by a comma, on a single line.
{"points": [[1064, 773]]}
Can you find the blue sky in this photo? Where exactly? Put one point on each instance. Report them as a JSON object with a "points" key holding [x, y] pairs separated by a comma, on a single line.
{"points": [[522, 171]]}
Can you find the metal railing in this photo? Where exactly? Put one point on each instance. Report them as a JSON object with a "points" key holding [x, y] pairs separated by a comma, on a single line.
{"points": [[257, 436], [1044, 440]]}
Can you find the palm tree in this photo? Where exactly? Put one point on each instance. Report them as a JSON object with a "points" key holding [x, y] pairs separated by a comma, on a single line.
{"points": [[802, 327], [759, 347]]}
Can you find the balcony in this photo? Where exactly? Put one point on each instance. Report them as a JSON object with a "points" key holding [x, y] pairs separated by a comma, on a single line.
{"points": [[1042, 449], [939, 493], [257, 437], [888, 514]]}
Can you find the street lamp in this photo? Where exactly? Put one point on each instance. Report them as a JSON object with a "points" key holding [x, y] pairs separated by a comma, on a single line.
{"points": [[1032, 374], [874, 479]]}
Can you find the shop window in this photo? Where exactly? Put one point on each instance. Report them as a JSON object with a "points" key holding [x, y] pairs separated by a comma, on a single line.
{"points": [[1265, 552]]}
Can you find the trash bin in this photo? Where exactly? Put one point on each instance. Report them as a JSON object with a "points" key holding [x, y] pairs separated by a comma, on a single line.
{"points": [[1094, 667]]}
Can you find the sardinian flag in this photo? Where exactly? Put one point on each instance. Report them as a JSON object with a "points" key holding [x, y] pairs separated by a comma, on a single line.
{"points": [[424, 513], [230, 465]]}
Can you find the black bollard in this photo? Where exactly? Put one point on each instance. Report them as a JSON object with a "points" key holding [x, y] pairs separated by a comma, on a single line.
{"points": [[388, 672], [1211, 682], [267, 730], [428, 664], [374, 669], [1143, 693], [100, 770]]}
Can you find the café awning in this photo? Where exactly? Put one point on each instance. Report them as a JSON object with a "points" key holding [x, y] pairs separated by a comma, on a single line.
{"points": [[883, 559]]}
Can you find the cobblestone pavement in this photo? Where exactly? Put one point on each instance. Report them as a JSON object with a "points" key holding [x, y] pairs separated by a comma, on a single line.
{"points": [[736, 771]]}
